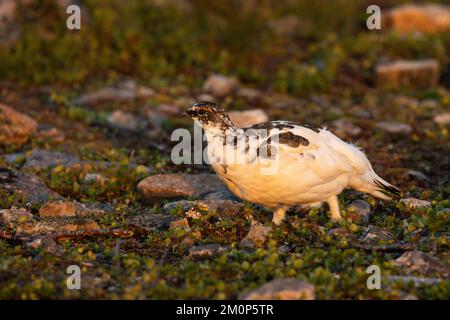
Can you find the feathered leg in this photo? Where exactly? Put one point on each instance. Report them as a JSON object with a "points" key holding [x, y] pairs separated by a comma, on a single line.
{"points": [[278, 215], [333, 203]]}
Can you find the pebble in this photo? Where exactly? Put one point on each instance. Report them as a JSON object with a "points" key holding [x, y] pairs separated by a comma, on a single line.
{"points": [[207, 250], [282, 289], [15, 128], [414, 203], [257, 235]]}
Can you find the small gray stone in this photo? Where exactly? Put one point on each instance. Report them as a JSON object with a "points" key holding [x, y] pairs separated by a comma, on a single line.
{"points": [[220, 86], [414, 203], [394, 127], [224, 207], [15, 127], [47, 244], [152, 222], [282, 289], [94, 177], [95, 209], [207, 250], [376, 234], [257, 235], [345, 128], [15, 216], [358, 211], [125, 121], [442, 119], [417, 175]]}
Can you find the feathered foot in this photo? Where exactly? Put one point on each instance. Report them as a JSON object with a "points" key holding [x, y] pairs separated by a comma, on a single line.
{"points": [[333, 203], [278, 215]]}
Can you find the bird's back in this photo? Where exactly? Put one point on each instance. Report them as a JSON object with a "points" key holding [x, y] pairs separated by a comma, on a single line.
{"points": [[305, 165]]}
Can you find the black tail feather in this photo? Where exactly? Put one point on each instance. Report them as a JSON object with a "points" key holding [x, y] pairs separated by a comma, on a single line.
{"points": [[388, 189]]}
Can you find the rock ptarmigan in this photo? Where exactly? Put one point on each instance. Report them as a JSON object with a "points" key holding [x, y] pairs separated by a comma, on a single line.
{"points": [[280, 164]]}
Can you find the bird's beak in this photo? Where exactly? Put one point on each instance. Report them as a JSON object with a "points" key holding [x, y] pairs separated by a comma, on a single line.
{"points": [[189, 113]]}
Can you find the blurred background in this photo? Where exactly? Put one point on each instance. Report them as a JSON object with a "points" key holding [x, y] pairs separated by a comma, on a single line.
{"points": [[90, 112], [284, 46]]}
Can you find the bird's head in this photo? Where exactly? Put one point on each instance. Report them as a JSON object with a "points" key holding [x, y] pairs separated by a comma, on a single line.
{"points": [[209, 115]]}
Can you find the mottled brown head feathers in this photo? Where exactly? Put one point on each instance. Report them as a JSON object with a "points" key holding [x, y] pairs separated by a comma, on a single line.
{"points": [[210, 114]]}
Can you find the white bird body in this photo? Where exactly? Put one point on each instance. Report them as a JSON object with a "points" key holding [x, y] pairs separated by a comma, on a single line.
{"points": [[310, 166]]}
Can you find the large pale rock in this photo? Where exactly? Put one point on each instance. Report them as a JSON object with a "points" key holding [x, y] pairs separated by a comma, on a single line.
{"points": [[408, 73], [282, 289], [15, 127], [178, 185], [220, 86], [247, 118], [411, 18]]}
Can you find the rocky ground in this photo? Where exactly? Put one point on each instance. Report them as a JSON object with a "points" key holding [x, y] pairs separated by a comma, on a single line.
{"points": [[86, 176]]}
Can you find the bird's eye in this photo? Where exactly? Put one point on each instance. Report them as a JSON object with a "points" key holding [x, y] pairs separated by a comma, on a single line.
{"points": [[201, 112]]}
